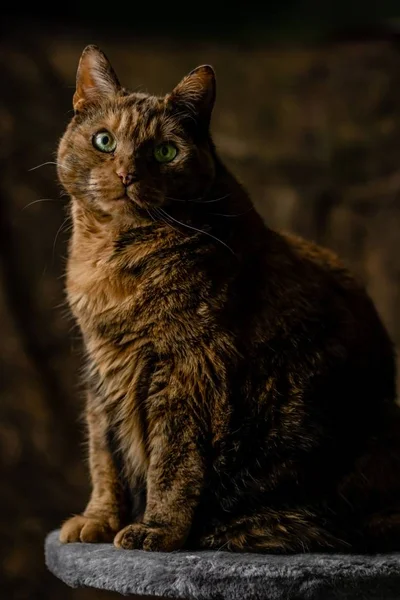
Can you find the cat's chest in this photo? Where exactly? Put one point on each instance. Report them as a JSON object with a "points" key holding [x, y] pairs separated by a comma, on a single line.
{"points": [[128, 309], [121, 376], [94, 292]]}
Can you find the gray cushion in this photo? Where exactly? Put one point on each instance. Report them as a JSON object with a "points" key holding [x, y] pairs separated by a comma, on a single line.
{"points": [[221, 575]]}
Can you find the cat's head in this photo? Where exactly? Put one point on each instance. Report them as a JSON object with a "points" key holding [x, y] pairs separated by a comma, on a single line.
{"points": [[126, 152]]}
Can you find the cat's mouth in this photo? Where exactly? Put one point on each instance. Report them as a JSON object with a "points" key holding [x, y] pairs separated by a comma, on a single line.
{"points": [[128, 197], [145, 200], [135, 199]]}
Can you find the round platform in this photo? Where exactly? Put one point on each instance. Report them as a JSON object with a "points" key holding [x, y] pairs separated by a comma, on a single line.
{"points": [[224, 576]]}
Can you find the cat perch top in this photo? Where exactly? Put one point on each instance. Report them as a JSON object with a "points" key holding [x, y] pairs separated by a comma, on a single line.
{"points": [[219, 575]]}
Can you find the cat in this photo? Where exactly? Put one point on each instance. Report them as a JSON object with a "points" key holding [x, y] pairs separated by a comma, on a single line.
{"points": [[241, 385]]}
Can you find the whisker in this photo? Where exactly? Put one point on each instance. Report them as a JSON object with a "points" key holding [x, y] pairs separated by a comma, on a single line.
{"points": [[238, 215], [214, 200], [50, 162], [150, 214], [40, 200], [57, 234], [42, 165], [182, 199], [157, 210], [198, 200], [198, 230]]}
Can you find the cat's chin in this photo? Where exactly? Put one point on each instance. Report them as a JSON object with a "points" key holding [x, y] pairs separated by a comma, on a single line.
{"points": [[145, 204], [120, 205], [126, 205]]}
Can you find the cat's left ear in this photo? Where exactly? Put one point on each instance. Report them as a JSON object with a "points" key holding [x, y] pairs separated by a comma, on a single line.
{"points": [[95, 79], [196, 93]]}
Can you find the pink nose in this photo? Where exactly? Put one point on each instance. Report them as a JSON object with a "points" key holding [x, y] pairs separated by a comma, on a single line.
{"points": [[126, 177]]}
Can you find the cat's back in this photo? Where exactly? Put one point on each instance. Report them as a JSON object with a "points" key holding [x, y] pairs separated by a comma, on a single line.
{"points": [[307, 288], [318, 260]]}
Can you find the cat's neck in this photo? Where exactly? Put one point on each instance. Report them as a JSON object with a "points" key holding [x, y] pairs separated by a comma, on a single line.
{"points": [[228, 208], [227, 187]]}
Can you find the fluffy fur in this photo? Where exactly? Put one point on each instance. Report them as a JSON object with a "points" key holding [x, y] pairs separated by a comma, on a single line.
{"points": [[240, 382]]}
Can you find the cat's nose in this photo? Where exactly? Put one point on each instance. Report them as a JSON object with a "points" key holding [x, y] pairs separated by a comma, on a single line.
{"points": [[126, 177]]}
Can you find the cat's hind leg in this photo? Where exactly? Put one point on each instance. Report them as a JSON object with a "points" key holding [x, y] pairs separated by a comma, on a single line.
{"points": [[286, 531], [380, 532]]}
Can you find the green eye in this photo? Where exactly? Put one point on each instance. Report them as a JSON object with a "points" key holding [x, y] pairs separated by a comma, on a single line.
{"points": [[104, 141], [164, 153]]}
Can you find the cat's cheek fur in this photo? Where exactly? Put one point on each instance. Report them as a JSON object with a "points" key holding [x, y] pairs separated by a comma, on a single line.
{"points": [[196, 187]]}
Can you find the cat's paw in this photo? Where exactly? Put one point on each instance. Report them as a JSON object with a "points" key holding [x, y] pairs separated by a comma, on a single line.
{"points": [[142, 537], [89, 529]]}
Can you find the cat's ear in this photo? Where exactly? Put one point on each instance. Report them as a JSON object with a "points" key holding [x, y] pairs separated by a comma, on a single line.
{"points": [[196, 92], [95, 79]]}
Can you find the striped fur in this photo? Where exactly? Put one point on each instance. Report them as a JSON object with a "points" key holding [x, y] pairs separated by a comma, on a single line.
{"points": [[238, 377]]}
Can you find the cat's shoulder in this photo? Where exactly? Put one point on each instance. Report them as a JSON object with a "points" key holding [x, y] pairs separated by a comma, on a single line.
{"points": [[309, 250], [314, 261]]}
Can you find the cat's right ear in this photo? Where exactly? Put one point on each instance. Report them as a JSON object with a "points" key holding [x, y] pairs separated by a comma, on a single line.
{"points": [[196, 94], [95, 79]]}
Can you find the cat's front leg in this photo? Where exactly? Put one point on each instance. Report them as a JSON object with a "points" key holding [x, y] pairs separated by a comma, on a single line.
{"points": [[174, 483], [104, 514]]}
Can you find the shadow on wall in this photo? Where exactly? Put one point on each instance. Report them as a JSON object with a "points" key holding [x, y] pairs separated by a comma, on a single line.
{"points": [[314, 134]]}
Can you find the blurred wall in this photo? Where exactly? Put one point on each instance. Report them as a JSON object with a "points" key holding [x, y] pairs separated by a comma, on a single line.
{"points": [[312, 131]]}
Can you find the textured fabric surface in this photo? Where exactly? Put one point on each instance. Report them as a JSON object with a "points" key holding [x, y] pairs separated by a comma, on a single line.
{"points": [[224, 576]]}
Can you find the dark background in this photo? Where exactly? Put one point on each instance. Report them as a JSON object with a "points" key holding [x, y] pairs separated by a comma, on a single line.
{"points": [[308, 116]]}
